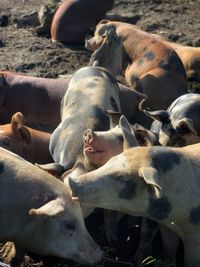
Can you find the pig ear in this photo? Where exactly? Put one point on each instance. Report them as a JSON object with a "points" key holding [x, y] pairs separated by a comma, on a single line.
{"points": [[128, 134], [150, 176], [50, 209], [114, 117], [22, 132], [187, 125], [54, 169], [144, 136], [109, 54], [72, 188], [160, 115]]}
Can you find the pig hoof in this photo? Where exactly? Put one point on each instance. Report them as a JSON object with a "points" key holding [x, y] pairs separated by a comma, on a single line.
{"points": [[8, 252]]}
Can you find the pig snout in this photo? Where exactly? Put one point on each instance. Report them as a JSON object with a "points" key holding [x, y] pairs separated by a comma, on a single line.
{"points": [[88, 136], [91, 252], [93, 255]]}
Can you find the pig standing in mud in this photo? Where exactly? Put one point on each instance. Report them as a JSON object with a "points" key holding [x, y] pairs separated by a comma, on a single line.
{"points": [[153, 182], [91, 91], [39, 215], [149, 66]]}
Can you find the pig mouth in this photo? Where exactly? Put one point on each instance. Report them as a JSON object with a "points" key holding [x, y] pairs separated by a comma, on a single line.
{"points": [[93, 150]]}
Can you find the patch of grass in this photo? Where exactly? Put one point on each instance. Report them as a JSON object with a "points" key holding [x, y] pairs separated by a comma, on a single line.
{"points": [[52, 3]]}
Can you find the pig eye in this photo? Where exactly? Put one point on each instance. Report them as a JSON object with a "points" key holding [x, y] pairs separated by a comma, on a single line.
{"points": [[70, 226]]}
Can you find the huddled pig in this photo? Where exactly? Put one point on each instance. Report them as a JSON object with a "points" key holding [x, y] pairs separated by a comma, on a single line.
{"points": [[74, 19], [179, 125], [190, 56], [37, 98], [150, 66], [39, 215], [153, 182], [100, 146], [41, 100], [30, 144], [91, 91]]}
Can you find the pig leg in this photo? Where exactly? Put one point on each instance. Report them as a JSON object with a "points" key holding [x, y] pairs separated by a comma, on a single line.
{"points": [[191, 249], [149, 229], [111, 221], [170, 242]]}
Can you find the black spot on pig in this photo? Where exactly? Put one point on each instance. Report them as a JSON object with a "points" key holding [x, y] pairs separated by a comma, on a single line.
{"points": [[101, 116], [114, 104], [164, 159], [159, 209], [129, 190], [149, 56], [195, 215]]}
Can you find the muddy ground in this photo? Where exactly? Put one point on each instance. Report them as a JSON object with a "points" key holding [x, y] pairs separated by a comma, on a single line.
{"points": [[21, 50]]}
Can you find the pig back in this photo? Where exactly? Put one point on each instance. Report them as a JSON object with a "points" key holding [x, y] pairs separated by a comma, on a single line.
{"points": [[91, 91]]}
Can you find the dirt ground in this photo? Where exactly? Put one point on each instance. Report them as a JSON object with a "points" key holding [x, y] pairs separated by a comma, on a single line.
{"points": [[21, 50]]}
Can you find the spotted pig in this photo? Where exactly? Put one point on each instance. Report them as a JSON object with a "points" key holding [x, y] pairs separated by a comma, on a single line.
{"points": [[91, 91], [179, 125], [39, 215], [160, 183], [150, 66]]}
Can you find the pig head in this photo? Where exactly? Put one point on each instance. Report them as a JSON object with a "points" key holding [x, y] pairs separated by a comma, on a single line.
{"points": [[45, 219]]}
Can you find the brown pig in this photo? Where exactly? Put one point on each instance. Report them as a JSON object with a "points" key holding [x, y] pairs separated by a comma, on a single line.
{"points": [[149, 65], [37, 98], [39, 215], [74, 19], [30, 144]]}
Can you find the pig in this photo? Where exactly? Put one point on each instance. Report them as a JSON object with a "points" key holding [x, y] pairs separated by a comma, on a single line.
{"points": [[100, 146], [150, 66], [30, 144], [37, 98], [39, 215], [43, 98], [190, 56], [74, 19], [179, 125], [151, 182], [91, 91]]}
